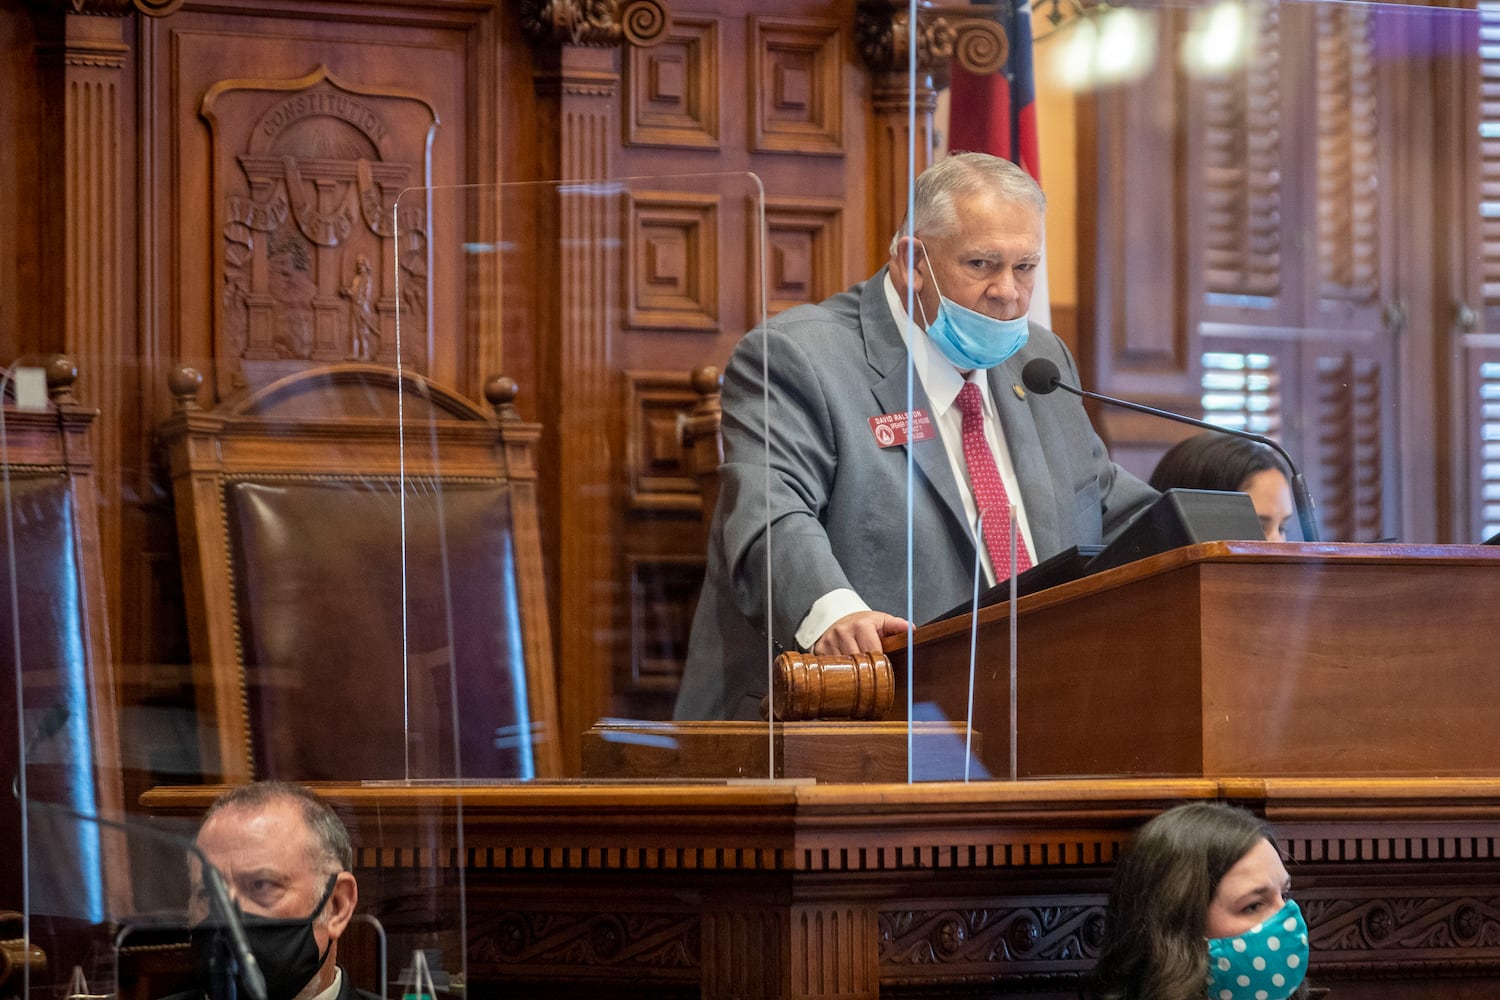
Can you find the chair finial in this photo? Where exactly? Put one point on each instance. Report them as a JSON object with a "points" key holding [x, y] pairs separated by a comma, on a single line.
{"points": [[500, 392], [184, 381]]}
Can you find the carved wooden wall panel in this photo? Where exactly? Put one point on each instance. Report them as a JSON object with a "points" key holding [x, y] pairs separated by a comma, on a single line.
{"points": [[305, 173], [804, 239], [663, 593], [797, 99], [658, 479], [289, 141], [673, 94], [673, 265]]}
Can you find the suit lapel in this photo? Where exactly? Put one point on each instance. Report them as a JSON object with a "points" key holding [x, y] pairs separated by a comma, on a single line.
{"points": [[886, 352]]}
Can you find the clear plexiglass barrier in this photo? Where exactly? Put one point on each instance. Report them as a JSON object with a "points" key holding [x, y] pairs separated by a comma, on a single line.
{"points": [[524, 494]]}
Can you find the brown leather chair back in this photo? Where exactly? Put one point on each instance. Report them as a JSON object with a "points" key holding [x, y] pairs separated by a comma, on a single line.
{"points": [[339, 632], [54, 640]]}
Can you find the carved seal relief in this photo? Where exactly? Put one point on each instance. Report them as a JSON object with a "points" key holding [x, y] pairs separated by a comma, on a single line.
{"points": [[321, 258]]}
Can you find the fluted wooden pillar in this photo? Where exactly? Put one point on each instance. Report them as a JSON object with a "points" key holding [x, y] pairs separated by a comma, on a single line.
{"points": [[82, 58], [905, 81], [893, 143], [588, 84], [578, 90]]}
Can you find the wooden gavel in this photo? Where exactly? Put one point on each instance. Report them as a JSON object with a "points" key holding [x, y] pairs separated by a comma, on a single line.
{"points": [[804, 686]]}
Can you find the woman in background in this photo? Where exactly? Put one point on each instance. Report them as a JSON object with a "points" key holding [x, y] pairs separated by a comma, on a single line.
{"points": [[1211, 461], [1199, 908]]}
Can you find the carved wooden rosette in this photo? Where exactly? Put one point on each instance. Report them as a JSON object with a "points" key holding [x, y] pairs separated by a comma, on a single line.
{"points": [[968, 34]]}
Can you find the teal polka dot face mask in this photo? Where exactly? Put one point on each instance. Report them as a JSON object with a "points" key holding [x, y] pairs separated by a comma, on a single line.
{"points": [[1267, 962]]}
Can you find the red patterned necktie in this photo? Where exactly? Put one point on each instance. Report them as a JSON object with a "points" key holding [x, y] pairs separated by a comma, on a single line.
{"points": [[989, 489]]}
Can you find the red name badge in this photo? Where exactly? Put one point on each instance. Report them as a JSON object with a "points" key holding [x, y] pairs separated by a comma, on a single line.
{"points": [[890, 429]]}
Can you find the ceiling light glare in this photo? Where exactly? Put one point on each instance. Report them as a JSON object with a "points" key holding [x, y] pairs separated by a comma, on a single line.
{"points": [[1126, 47], [1219, 39], [1112, 45]]}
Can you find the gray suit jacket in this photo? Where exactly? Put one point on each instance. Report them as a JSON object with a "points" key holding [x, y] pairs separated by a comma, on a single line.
{"points": [[837, 503]]}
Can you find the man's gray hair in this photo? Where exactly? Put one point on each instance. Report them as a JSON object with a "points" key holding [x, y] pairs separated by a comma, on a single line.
{"points": [[956, 175], [331, 837]]}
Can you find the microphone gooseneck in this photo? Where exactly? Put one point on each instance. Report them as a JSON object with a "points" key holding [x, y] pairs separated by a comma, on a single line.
{"points": [[1041, 376]]}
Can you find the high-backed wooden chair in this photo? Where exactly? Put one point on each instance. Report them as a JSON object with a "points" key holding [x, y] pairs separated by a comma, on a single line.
{"points": [[54, 649], [337, 632]]}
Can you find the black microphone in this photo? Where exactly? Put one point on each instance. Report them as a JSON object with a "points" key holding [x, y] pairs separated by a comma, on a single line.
{"points": [[221, 907], [1041, 376]]}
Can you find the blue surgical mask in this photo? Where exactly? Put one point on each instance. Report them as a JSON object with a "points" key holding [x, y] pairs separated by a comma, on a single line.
{"points": [[971, 339], [1267, 962]]}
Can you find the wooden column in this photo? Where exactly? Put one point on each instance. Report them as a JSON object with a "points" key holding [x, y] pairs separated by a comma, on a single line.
{"points": [[578, 85], [905, 95], [89, 274], [82, 58]]}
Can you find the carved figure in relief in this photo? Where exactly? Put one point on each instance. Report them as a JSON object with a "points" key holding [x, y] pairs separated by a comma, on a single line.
{"points": [[364, 323], [293, 290]]}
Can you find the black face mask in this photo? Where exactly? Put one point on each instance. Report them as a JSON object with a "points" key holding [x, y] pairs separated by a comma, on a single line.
{"points": [[285, 949]]}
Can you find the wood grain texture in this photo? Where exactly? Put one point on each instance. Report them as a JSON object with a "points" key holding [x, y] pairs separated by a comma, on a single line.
{"points": [[796, 889], [1237, 658]]}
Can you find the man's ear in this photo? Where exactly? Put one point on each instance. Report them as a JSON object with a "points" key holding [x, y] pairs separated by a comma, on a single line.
{"points": [[906, 264], [341, 903]]}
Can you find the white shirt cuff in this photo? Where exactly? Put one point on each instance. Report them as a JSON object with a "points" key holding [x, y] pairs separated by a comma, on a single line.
{"points": [[825, 611]]}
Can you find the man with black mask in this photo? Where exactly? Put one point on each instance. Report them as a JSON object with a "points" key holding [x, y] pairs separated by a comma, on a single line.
{"points": [[285, 857]]}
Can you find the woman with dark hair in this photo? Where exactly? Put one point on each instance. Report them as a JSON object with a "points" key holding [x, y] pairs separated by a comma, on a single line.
{"points": [[1211, 461], [1199, 909]]}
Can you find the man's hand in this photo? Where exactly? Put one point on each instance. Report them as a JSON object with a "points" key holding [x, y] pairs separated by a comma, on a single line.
{"points": [[860, 632]]}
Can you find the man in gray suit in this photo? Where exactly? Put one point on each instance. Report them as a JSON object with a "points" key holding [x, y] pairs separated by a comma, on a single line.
{"points": [[818, 422]]}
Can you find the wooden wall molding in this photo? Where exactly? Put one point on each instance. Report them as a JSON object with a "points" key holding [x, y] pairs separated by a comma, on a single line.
{"points": [[804, 250], [655, 403], [672, 271], [672, 89], [1349, 927], [797, 87], [663, 593], [1055, 931], [83, 63]]}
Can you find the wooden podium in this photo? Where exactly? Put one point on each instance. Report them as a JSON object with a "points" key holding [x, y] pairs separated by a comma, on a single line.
{"points": [[1235, 658]]}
